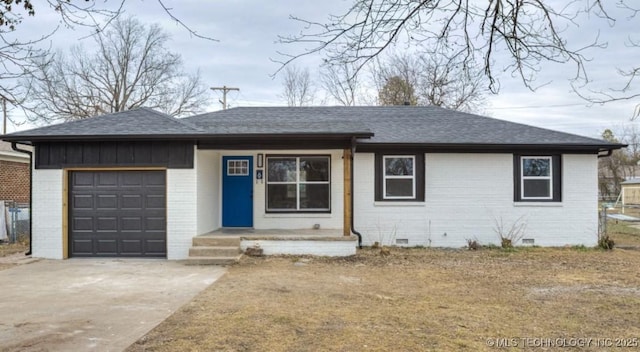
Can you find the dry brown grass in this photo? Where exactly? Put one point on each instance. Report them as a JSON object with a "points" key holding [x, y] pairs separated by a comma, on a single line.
{"points": [[412, 300], [8, 250]]}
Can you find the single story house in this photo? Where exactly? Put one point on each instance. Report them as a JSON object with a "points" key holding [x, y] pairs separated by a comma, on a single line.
{"points": [[141, 183]]}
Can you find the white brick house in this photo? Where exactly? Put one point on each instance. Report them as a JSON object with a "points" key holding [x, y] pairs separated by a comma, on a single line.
{"points": [[140, 183]]}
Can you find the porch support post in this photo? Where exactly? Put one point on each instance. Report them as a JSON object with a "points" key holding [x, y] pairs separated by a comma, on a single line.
{"points": [[346, 158]]}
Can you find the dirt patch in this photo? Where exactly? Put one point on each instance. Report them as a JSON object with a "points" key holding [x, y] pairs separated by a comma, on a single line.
{"points": [[413, 299], [12, 253], [13, 248]]}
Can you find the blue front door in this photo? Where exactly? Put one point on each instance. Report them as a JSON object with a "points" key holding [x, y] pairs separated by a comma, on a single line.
{"points": [[237, 191]]}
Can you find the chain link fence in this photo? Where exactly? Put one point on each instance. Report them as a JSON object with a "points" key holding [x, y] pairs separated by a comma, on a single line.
{"points": [[602, 221], [14, 221]]}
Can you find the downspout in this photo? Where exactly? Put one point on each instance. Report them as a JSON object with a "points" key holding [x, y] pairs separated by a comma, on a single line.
{"points": [[28, 152], [353, 229]]}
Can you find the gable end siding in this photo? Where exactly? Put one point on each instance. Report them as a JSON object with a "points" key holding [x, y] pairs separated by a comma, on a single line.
{"points": [[58, 155]]}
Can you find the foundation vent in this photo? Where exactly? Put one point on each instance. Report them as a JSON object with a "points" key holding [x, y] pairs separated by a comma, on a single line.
{"points": [[402, 241], [529, 241]]}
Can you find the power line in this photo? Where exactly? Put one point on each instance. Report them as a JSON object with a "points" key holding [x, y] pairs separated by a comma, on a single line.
{"points": [[535, 107]]}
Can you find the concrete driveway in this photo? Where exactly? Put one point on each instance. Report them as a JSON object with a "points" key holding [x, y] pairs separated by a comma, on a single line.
{"points": [[92, 304]]}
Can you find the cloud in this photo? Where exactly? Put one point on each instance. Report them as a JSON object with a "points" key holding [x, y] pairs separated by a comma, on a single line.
{"points": [[248, 30]]}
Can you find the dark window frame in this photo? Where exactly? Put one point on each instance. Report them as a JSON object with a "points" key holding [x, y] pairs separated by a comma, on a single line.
{"points": [[419, 170], [295, 211], [556, 178]]}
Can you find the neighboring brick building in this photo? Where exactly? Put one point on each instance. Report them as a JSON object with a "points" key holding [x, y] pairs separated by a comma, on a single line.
{"points": [[14, 174]]}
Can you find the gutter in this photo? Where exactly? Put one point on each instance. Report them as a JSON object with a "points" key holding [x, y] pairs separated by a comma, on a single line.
{"points": [[366, 146], [353, 229], [17, 137], [30, 153], [609, 152]]}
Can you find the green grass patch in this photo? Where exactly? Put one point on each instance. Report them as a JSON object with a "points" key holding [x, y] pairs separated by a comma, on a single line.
{"points": [[621, 227], [583, 248], [623, 233]]}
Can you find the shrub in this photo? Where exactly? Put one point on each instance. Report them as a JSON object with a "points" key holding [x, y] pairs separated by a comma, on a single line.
{"points": [[605, 242], [473, 244], [510, 235]]}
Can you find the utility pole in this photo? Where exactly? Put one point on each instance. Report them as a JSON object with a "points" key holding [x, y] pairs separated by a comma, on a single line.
{"points": [[224, 90], [4, 115]]}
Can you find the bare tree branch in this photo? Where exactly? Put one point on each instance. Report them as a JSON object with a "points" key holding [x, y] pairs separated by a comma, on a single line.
{"points": [[430, 78], [298, 90], [131, 68], [529, 31], [20, 56], [169, 12], [340, 83]]}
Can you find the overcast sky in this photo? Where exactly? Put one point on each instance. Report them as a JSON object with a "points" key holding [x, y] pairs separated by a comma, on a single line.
{"points": [[247, 31]]}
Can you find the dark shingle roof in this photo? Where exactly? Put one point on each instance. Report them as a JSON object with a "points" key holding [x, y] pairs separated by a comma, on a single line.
{"points": [[283, 120], [398, 125], [138, 122], [390, 125]]}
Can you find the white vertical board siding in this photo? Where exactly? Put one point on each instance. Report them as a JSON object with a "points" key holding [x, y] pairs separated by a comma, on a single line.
{"points": [[47, 236], [466, 194], [182, 210], [209, 172]]}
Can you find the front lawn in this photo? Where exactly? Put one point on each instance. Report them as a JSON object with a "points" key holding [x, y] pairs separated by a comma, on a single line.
{"points": [[413, 300]]}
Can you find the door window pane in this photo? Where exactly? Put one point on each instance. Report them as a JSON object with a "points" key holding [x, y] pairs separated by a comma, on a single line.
{"points": [[237, 167]]}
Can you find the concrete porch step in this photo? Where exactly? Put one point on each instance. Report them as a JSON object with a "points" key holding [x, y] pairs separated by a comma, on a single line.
{"points": [[211, 260], [214, 251], [212, 241]]}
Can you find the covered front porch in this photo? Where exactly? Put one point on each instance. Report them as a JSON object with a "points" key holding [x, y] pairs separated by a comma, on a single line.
{"points": [[294, 201]]}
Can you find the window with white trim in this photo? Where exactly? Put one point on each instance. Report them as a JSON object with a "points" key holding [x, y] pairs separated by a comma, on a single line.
{"points": [[399, 177], [237, 167], [537, 178], [298, 184]]}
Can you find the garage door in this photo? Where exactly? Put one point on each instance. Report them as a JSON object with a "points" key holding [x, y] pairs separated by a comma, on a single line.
{"points": [[117, 214]]}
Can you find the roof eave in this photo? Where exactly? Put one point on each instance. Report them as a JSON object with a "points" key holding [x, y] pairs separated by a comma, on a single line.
{"points": [[483, 148], [198, 136], [87, 138]]}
